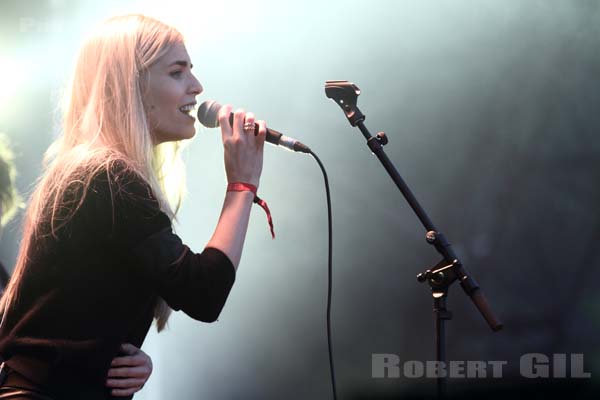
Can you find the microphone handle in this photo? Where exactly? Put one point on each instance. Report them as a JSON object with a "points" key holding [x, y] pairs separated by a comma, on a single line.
{"points": [[279, 139]]}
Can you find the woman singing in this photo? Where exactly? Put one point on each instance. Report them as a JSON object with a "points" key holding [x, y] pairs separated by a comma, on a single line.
{"points": [[98, 260]]}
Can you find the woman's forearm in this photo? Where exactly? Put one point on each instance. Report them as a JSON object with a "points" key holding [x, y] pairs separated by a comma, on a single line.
{"points": [[230, 232]]}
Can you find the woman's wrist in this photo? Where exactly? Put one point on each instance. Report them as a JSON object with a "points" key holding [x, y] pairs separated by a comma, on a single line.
{"points": [[243, 187], [253, 182], [246, 195]]}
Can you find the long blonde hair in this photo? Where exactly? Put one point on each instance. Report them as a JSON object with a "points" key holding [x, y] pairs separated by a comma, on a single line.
{"points": [[104, 121]]}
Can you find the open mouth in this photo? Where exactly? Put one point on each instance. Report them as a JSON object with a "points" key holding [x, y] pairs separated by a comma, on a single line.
{"points": [[187, 109]]}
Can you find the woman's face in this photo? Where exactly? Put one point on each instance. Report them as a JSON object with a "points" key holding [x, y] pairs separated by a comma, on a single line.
{"points": [[170, 95]]}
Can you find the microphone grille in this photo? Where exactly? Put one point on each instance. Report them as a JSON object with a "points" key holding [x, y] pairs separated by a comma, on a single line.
{"points": [[208, 113]]}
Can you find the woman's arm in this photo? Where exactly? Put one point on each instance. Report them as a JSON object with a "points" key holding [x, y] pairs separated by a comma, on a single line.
{"points": [[243, 163], [230, 232]]}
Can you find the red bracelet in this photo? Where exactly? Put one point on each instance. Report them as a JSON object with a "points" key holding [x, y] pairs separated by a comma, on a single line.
{"points": [[243, 187]]}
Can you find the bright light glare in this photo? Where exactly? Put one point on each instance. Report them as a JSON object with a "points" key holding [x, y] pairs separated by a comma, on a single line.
{"points": [[201, 19], [12, 75]]}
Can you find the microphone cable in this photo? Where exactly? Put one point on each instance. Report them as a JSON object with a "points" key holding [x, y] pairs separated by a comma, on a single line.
{"points": [[329, 272]]}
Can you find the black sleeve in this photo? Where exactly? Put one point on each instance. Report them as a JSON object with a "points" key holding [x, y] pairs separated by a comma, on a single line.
{"points": [[3, 278], [197, 284]]}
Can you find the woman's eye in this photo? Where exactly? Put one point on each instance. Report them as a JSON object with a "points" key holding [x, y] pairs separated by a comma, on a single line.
{"points": [[176, 74]]}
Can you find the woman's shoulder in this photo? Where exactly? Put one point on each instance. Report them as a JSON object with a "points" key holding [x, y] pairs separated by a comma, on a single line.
{"points": [[121, 180], [120, 194]]}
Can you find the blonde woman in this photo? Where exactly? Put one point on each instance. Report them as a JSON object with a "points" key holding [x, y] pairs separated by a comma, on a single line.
{"points": [[98, 258]]}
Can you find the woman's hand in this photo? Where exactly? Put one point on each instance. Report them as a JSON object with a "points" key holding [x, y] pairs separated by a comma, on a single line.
{"points": [[129, 372], [243, 147]]}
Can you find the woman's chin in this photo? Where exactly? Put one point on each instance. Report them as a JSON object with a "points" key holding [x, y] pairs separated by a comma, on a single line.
{"points": [[174, 137], [191, 134]]}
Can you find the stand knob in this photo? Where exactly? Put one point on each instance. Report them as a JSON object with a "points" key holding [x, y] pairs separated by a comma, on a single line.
{"points": [[438, 278], [382, 138], [431, 236]]}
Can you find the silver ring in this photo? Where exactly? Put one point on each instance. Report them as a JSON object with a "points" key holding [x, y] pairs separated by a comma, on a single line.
{"points": [[249, 126]]}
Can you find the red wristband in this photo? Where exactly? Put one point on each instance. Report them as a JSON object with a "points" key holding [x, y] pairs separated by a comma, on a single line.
{"points": [[243, 187]]}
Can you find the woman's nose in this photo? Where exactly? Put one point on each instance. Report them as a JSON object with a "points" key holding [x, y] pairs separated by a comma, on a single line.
{"points": [[195, 87]]}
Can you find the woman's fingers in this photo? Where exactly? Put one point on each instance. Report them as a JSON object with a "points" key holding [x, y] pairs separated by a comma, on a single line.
{"points": [[243, 148], [128, 372], [238, 122], [249, 122], [128, 348], [126, 361], [127, 380], [224, 113], [261, 134], [130, 383], [123, 392], [250, 129], [134, 358]]}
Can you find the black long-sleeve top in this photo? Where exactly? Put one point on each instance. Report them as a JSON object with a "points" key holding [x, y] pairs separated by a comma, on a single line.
{"points": [[4, 277], [95, 286]]}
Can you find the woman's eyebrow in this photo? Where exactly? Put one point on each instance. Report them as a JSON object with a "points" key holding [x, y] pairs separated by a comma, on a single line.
{"points": [[183, 63]]}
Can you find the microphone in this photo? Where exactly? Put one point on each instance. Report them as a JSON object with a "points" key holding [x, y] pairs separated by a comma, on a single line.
{"points": [[208, 116]]}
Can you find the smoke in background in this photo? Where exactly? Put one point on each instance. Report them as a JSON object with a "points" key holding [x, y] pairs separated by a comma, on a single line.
{"points": [[491, 109]]}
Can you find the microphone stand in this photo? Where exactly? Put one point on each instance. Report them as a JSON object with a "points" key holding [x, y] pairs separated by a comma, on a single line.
{"points": [[449, 269]]}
